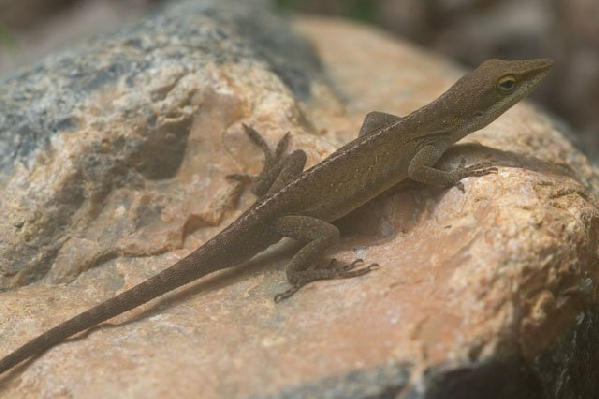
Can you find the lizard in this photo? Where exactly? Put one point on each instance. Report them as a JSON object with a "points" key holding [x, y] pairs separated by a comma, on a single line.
{"points": [[302, 204]]}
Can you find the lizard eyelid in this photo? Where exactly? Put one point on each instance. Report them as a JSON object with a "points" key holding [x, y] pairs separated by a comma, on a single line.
{"points": [[506, 83]]}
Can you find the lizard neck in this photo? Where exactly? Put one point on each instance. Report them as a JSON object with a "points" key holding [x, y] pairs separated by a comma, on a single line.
{"points": [[443, 117]]}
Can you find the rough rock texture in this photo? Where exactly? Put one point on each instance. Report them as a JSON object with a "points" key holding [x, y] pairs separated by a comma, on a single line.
{"points": [[113, 162]]}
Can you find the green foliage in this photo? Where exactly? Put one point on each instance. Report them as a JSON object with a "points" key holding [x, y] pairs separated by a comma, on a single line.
{"points": [[7, 40], [361, 10], [283, 3]]}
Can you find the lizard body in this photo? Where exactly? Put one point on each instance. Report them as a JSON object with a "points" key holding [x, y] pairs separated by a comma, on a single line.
{"points": [[301, 204]]}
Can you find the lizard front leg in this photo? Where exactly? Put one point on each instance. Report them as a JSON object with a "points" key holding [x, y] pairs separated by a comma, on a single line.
{"points": [[317, 235], [422, 168]]}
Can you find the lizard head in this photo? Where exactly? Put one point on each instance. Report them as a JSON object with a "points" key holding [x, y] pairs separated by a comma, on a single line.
{"points": [[492, 88]]}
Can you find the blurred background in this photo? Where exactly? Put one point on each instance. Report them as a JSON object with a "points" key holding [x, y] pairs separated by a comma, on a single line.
{"points": [[468, 31]]}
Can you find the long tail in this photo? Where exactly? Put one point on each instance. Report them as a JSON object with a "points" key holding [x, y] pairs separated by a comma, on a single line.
{"points": [[197, 264]]}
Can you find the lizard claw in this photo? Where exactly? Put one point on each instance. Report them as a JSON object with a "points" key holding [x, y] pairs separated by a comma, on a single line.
{"points": [[355, 263], [476, 170], [348, 272], [295, 288], [481, 171], [326, 274]]}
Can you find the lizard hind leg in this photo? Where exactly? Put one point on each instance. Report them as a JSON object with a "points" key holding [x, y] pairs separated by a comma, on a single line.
{"points": [[278, 168], [317, 235]]}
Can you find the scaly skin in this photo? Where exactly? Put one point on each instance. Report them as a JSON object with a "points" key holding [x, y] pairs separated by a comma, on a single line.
{"points": [[301, 204]]}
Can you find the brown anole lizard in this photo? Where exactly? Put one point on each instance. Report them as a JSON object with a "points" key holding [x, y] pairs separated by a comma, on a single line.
{"points": [[302, 204]]}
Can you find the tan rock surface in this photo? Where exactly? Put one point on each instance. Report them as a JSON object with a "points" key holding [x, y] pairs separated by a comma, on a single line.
{"points": [[503, 270]]}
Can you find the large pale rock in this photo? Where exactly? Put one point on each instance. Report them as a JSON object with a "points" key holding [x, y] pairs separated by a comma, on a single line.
{"points": [[114, 157]]}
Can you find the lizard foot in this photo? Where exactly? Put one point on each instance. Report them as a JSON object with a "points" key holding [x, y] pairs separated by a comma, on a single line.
{"points": [[283, 295], [257, 139], [328, 273], [273, 162], [476, 170], [333, 265]]}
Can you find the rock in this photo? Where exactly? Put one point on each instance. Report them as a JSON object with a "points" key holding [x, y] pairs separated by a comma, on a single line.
{"points": [[77, 130], [114, 162]]}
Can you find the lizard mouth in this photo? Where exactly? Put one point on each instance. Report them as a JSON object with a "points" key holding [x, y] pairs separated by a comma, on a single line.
{"points": [[537, 73], [540, 69], [544, 64]]}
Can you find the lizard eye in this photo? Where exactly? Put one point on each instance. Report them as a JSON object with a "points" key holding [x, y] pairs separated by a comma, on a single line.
{"points": [[506, 84]]}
